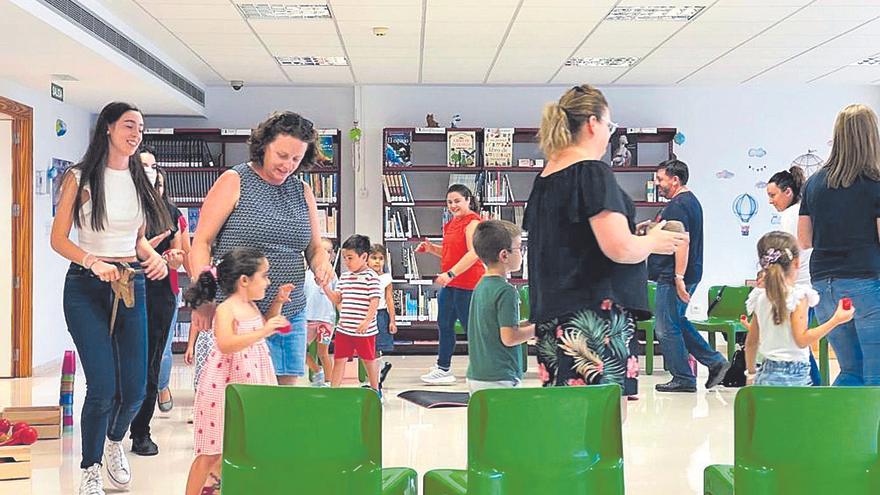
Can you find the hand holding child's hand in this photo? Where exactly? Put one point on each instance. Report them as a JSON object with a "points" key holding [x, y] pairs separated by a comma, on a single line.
{"points": [[188, 355], [284, 293], [423, 247], [844, 315], [362, 328], [274, 323], [392, 327]]}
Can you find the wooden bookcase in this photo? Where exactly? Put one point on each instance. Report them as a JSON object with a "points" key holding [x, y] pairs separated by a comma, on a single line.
{"points": [[194, 158]]}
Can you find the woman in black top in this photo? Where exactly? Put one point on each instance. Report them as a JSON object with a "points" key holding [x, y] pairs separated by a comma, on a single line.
{"points": [[840, 220], [587, 277]]}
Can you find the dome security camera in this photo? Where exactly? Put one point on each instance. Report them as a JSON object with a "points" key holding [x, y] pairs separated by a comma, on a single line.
{"points": [[236, 84]]}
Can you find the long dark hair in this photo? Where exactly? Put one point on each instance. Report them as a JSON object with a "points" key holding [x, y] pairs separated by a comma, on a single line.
{"points": [[468, 195], [793, 179], [91, 169], [240, 261]]}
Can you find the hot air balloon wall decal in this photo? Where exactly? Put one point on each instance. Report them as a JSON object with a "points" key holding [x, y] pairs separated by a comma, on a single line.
{"points": [[745, 207]]}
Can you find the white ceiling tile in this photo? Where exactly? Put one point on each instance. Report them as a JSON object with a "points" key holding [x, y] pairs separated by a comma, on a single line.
{"points": [[552, 34], [584, 15], [648, 34], [254, 50], [386, 70], [378, 14], [187, 10], [588, 75], [400, 34], [297, 40], [175, 2], [655, 78], [467, 11], [850, 12], [313, 51], [304, 27], [828, 28], [591, 50], [762, 3], [852, 75], [312, 75], [229, 39], [745, 14], [217, 28], [356, 51]]}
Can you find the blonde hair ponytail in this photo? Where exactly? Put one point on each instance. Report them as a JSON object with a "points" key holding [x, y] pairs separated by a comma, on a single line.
{"points": [[562, 120], [554, 135]]}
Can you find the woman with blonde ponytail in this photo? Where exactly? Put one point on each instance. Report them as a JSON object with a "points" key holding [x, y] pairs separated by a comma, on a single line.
{"points": [[587, 275], [779, 329], [840, 220]]}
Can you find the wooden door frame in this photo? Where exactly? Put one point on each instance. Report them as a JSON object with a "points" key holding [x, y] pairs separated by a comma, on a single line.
{"points": [[22, 234]]}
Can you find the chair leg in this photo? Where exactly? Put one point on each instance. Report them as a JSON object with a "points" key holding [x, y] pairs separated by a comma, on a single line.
{"points": [[712, 339], [649, 350], [731, 343], [824, 370]]}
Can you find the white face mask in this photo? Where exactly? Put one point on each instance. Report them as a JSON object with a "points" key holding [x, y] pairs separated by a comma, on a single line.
{"points": [[151, 175]]}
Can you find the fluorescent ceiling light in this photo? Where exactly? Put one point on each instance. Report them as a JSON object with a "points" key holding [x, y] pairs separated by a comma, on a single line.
{"points": [[601, 62], [654, 13], [283, 11], [873, 60], [311, 61]]}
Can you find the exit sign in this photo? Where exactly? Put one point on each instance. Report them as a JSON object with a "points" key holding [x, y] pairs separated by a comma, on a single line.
{"points": [[57, 92]]}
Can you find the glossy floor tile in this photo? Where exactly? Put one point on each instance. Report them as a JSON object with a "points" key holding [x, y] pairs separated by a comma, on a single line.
{"points": [[668, 438]]}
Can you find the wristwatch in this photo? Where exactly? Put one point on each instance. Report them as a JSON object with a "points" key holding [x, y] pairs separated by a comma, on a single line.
{"points": [[450, 274]]}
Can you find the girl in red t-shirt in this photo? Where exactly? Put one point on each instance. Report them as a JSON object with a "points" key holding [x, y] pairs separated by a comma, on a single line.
{"points": [[460, 270]]}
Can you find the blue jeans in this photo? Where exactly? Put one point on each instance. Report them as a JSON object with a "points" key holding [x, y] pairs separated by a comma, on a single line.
{"points": [[115, 366], [453, 304], [384, 339], [678, 337], [857, 343], [784, 374], [167, 358]]}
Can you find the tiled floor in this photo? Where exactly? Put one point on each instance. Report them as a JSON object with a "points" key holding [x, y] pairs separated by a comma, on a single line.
{"points": [[668, 438]]}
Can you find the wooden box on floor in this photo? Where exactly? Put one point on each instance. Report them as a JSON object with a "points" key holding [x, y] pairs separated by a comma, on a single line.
{"points": [[45, 419], [15, 462]]}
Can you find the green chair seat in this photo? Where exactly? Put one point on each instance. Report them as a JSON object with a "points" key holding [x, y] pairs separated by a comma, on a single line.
{"points": [[539, 440], [802, 440], [725, 316], [322, 440]]}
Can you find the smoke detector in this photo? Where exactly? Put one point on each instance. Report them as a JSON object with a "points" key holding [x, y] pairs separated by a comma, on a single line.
{"points": [[380, 31]]}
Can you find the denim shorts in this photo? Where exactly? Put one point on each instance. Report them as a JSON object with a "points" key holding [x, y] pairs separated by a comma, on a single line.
{"points": [[384, 339], [288, 350], [784, 373]]}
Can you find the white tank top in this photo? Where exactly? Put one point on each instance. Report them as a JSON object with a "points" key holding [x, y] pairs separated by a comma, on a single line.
{"points": [[124, 217]]}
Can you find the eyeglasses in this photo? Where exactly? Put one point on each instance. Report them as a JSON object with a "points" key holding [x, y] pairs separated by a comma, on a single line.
{"points": [[518, 248], [612, 127]]}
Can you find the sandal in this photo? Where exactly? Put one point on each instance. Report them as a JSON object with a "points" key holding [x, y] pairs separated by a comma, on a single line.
{"points": [[168, 405]]}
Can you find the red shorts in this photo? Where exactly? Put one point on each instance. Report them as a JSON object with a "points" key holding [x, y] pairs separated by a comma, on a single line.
{"points": [[347, 346]]}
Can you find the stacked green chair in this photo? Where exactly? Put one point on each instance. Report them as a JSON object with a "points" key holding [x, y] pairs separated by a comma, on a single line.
{"points": [[539, 440], [725, 316], [525, 309], [275, 441], [802, 440], [648, 327]]}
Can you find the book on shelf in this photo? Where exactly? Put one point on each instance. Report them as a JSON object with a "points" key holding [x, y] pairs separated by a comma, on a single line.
{"points": [[327, 218], [419, 304], [190, 185], [327, 153], [410, 262], [192, 218], [512, 214], [396, 188], [471, 181], [461, 148], [325, 186], [445, 218], [180, 152], [497, 189], [401, 223], [498, 147], [398, 148]]}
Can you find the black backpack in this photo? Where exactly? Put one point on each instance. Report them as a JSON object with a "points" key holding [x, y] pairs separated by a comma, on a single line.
{"points": [[736, 375]]}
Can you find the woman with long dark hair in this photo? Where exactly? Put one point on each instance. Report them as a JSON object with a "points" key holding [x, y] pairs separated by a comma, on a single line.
{"points": [[460, 270], [110, 201]]}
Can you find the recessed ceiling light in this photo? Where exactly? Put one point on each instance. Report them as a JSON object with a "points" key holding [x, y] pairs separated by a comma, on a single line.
{"points": [[311, 61], [873, 60], [601, 62], [62, 77], [283, 11], [654, 13]]}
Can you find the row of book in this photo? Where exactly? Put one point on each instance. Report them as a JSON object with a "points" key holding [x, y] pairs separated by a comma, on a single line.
{"points": [[421, 306], [180, 152], [396, 187], [328, 219], [512, 214], [190, 186], [461, 148], [192, 218], [324, 186], [401, 223], [496, 188]]}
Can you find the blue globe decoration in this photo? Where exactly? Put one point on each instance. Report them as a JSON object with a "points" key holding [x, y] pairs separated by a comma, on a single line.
{"points": [[745, 207], [679, 138], [60, 128]]}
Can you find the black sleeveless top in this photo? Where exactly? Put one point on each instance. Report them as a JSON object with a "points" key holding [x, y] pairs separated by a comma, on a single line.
{"points": [[567, 269]]}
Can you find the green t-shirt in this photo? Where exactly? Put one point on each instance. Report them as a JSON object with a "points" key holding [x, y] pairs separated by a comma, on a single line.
{"points": [[494, 304]]}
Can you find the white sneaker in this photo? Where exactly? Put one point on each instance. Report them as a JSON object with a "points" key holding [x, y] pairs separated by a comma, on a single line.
{"points": [[118, 470], [318, 379], [439, 377], [91, 483]]}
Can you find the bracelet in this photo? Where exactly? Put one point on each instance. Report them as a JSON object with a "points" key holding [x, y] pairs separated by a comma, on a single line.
{"points": [[679, 276], [451, 274]]}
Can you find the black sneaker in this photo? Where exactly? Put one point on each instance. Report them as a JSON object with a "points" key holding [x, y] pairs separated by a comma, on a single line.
{"points": [[716, 374], [674, 386], [144, 446], [384, 372]]}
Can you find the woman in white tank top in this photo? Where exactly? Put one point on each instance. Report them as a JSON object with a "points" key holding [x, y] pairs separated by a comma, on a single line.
{"points": [[109, 200]]}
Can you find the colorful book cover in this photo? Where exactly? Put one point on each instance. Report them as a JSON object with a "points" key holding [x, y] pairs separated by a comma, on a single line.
{"points": [[326, 148], [498, 147], [462, 148], [193, 218], [398, 149]]}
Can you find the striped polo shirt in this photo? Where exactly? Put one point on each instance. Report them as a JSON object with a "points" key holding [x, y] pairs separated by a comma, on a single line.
{"points": [[357, 289]]}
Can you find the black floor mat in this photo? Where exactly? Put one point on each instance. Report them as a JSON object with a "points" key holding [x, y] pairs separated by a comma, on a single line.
{"points": [[434, 400]]}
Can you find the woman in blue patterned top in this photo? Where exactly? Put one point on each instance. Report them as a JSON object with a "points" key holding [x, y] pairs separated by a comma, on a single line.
{"points": [[261, 204]]}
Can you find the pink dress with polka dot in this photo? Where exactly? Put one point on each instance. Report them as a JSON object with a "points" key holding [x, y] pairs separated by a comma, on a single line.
{"points": [[251, 366]]}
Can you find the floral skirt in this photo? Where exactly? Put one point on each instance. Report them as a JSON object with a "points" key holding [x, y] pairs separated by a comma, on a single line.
{"points": [[589, 347]]}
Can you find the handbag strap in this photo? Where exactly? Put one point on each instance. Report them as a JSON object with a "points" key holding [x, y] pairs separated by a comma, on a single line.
{"points": [[716, 300]]}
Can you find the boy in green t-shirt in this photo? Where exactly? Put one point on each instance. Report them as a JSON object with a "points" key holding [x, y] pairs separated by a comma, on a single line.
{"points": [[494, 329]]}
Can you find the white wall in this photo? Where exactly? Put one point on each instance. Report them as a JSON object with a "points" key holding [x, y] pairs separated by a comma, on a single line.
{"points": [[720, 124], [327, 107], [50, 335]]}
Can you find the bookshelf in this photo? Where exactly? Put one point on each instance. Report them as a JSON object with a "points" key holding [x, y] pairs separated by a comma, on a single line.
{"points": [[649, 147], [193, 158]]}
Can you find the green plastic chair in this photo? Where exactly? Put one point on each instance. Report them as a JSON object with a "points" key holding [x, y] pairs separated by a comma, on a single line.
{"points": [[539, 440], [725, 316], [802, 440], [647, 326], [275, 437]]}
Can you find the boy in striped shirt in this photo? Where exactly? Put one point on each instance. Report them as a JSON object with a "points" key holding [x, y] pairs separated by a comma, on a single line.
{"points": [[357, 297]]}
